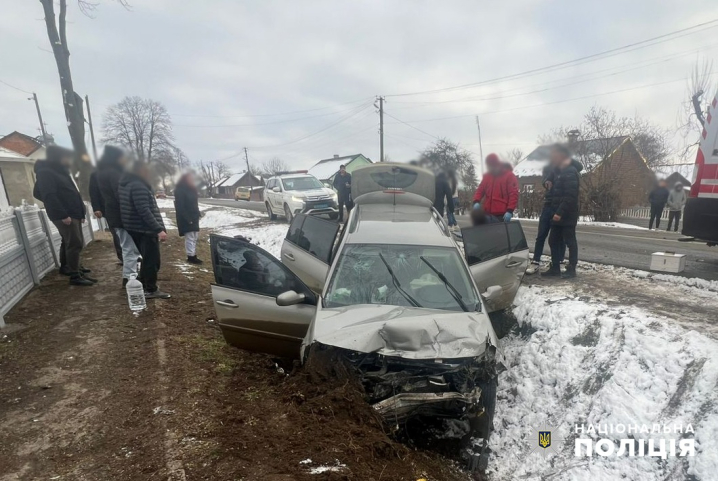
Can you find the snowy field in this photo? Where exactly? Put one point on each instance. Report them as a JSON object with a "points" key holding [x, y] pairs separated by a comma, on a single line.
{"points": [[586, 353]]}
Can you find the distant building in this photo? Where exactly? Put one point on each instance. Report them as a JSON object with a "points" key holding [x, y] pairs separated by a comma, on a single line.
{"points": [[673, 173], [325, 170], [228, 186], [18, 177], [24, 145], [619, 155]]}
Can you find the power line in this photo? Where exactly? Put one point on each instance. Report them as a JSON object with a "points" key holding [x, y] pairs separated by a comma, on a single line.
{"points": [[596, 56], [409, 125], [578, 80], [275, 114], [16, 88]]}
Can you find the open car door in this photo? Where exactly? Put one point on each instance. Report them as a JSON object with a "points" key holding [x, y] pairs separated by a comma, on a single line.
{"points": [[498, 256], [247, 282], [307, 249]]}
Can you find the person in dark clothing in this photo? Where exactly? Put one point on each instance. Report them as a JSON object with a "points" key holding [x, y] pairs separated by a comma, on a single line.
{"points": [[98, 208], [55, 188], [443, 194], [141, 218], [450, 213], [187, 209], [658, 198], [564, 199], [547, 213], [343, 185], [110, 168]]}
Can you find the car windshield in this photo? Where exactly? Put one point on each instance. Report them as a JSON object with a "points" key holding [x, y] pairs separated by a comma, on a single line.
{"points": [[399, 275], [301, 183]]}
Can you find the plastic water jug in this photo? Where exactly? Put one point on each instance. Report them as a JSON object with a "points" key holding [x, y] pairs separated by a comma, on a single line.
{"points": [[135, 294]]}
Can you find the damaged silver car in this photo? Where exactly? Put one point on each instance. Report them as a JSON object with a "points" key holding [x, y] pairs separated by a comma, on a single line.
{"points": [[393, 295]]}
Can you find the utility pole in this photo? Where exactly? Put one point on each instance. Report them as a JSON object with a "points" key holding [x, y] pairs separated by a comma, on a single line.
{"points": [[251, 187], [92, 131], [381, 128], [481, 148], [39, 116]]}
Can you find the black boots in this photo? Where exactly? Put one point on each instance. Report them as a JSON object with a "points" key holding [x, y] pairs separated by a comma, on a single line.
{"points": [[81, 281], [569, 273], [194, 260]]}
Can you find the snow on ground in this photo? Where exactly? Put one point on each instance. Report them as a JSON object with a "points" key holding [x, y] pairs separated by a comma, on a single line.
{"points": [[268, 236], [169, 225], [227, 216], [582, 361], [588, 222]]}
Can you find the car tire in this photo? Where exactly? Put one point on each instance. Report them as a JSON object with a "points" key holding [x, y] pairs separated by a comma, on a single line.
{"points": [[270, 214], [334, 215], [485, 424], [288, 213]]}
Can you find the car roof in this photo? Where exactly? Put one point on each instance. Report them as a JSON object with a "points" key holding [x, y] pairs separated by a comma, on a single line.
{"points": [[397, 224], [291, 176]]}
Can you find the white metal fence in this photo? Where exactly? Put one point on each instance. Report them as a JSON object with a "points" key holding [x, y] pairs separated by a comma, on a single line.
{"points": [[640, 213], [29, 249]]}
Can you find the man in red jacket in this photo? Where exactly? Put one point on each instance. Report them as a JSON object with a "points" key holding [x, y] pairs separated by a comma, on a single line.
{"points": [[498, 192]]}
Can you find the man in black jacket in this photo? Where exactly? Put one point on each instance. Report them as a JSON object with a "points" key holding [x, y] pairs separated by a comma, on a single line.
{"points": [[141, 218], [98, 208], [564, 199], [658, 198], [110, 168], [343, 185], [443, 194], [56, 189], [188, 214]]}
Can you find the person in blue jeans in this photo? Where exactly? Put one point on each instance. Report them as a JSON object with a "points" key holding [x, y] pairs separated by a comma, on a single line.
{"points": [[547, 214]]}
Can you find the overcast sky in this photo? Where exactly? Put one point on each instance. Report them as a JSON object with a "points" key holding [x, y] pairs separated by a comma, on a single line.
{"points": [[229, 71]]}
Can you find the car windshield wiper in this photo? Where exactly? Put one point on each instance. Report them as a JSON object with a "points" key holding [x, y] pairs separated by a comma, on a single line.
{"points": [[449, 287], [396, 283]]}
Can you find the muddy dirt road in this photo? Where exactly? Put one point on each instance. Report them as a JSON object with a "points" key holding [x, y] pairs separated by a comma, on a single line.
{"points": [[89, 392]]}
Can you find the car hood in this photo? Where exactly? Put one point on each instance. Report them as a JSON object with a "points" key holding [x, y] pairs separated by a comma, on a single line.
{"points": [[406, 332], [310, 193]]}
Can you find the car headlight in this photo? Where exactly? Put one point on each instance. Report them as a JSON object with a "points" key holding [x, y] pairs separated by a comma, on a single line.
{"points": [[297, 199], [334, 195]]}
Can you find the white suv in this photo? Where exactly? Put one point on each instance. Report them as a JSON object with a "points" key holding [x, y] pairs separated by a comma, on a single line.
{"points": [[292, 194]]}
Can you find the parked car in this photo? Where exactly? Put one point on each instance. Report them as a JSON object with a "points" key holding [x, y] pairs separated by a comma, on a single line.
{"points": [[160, 194], [393, 295], [291, 194], [243, 193]]}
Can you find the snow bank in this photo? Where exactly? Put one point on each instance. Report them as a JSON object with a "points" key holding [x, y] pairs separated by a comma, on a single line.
{"points": [[588, 362], [223, 217], [268, 236]]}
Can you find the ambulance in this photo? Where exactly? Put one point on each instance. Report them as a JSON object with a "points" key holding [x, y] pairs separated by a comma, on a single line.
{"points": [[701, 213]]}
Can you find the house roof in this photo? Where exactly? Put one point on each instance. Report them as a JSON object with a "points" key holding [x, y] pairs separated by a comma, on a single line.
{"points": [[534, 163], [324, 169], [20, 143], [666, 170], [11, 156], [234, 178]]}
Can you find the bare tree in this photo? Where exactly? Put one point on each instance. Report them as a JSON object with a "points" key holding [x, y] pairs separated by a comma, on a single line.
{"points": [[142, 126], [272, 167], [447, 155], [212, 173], [166, 166], [514, 156], [692, 116]]}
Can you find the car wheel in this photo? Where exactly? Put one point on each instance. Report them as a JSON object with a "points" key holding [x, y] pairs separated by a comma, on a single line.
{"points": [[334, 215], [288, 213], [270, 214]]}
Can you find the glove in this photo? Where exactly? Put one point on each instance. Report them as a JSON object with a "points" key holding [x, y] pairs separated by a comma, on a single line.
{"points": [[508, 216], [477, 205]]}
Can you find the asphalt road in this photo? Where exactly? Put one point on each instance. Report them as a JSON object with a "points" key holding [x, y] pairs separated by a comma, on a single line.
{"points": [[630, 248]]}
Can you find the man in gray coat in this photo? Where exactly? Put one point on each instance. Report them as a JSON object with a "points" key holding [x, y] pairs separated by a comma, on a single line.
{"points": [[675, 203]]}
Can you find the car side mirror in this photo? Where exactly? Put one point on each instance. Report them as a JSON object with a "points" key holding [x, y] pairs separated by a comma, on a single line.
{"points": [[276, 189], [290, 298], [492, 293]]}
